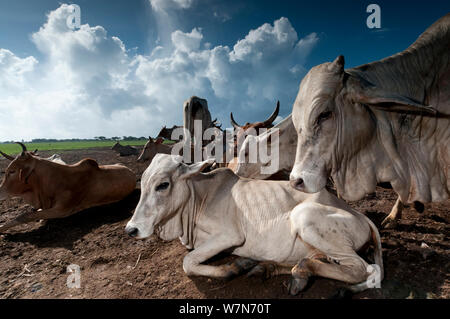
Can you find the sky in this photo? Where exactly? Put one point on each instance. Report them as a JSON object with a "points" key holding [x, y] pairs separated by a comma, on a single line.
{"points": [[130, 65]]}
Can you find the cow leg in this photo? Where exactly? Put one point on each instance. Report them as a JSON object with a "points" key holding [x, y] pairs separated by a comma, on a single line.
{"points": [[331, 254], [240, 266], [391, 220], [268, 269], [34, 216], [192, 263], [347, 268]]}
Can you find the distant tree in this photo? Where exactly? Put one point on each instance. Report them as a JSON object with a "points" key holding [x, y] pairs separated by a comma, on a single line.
{"points": [[129, 138]]}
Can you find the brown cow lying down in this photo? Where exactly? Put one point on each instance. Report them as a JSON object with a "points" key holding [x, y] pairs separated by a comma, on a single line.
{"points": [[261, 221], [57, 190], [126, 150]]}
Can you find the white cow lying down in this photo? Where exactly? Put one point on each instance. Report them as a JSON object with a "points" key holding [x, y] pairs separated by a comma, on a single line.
{"points": [[265, 221]]}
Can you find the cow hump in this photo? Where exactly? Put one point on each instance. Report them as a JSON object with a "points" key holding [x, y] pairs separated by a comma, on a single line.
{"points": [[88, 162]]}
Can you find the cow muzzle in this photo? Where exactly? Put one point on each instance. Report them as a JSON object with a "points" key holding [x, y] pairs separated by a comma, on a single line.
{"points": [[307, 182], [132, 231], [138, 230]]}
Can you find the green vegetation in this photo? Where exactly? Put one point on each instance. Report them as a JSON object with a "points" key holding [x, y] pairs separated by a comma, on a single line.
{"points": [[12, 148]]}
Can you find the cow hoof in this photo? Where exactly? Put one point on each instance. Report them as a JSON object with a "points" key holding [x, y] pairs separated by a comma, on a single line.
{"points": [[419, 207], [257, 271], [296, 285], [239, 266], [264, 271], [389, 223], [245, 264]]}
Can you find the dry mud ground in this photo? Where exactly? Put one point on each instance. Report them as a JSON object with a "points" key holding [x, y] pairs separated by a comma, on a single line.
{"points": [[34, 257]]}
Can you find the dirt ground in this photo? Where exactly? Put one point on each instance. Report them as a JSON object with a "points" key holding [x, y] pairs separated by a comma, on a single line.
{"points": [[34, 257]]}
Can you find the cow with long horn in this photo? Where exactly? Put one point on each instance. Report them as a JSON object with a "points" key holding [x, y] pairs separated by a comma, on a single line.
{"points": [[57, 190], [252, 128], [7, 156]]}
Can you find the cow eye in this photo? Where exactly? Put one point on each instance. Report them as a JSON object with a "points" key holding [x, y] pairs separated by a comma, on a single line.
{"points": [[162, 186], [323, 116]]}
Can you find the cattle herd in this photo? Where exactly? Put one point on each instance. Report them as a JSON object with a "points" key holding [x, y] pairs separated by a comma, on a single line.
{"points": [[382, 123]]}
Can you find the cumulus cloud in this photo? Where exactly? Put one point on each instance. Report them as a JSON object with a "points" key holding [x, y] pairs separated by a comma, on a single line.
{"points": [[164, 5], [187, 42], [88, 83], [13, 70]]}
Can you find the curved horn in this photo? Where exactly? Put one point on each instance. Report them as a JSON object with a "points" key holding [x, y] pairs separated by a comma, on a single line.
{"points": [[274, 115], [233, 122], [7, 156], [24, 148]]}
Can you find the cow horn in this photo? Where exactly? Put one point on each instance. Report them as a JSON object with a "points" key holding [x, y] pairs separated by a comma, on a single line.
{"points": [[274, 115], [7, 156], [24, 148], [233, 122]]}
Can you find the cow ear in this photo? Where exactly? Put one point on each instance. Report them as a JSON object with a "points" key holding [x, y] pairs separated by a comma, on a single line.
{"points": [[337, 66], [25, 172], [366, 93], [397, 103], [196, 168]]}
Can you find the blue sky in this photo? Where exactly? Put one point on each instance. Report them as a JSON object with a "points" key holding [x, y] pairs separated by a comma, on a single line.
{"points": [[137, 61]]}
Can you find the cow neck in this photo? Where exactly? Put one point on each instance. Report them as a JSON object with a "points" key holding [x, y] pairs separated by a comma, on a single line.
{"points": [[201, 189], [186, 215], [38, 185], [409, 146], [392, 157]]}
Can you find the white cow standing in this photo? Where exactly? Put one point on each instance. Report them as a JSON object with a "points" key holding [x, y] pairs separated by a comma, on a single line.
{"points": [[266, 221]]}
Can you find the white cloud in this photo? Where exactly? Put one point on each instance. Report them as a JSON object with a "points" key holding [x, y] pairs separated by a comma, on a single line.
{"points": [[164, 5], [187, 42], [13, 71], [88, 84]]}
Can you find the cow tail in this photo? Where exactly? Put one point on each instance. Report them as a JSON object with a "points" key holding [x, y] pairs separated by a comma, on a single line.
{"points": [[378, 251], [378, 257]]}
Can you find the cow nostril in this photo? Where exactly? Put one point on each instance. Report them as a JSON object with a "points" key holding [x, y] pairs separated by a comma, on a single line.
{"points": [[298, 184], [132, 231]]}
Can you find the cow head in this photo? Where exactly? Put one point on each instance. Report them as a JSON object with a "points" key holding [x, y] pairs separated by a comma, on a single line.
{"points": [[15, 181], [164, 195], [265, 165], [333, 115], [252, 128], [150, 149], [166, 133]]}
